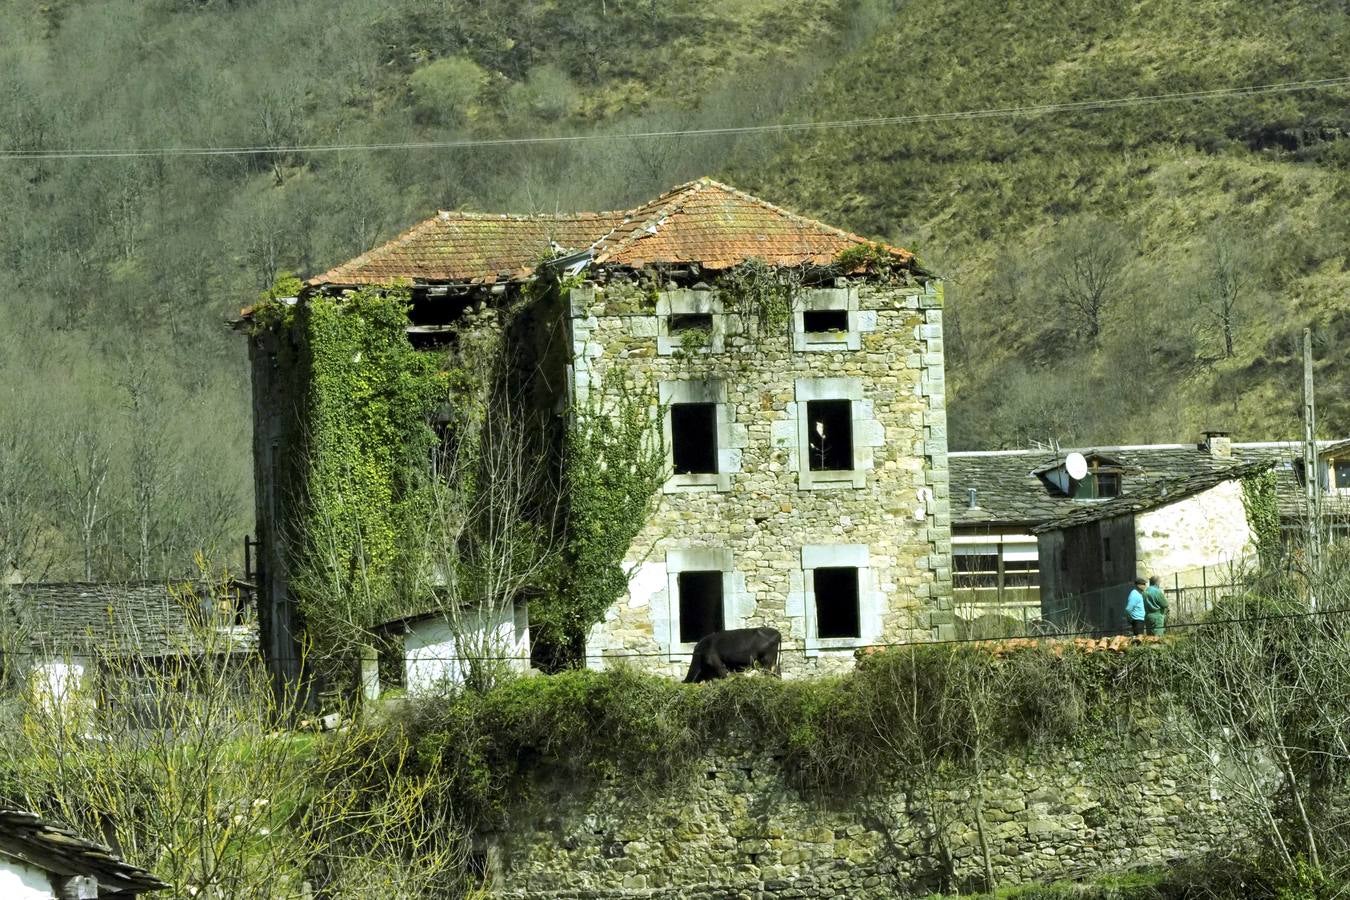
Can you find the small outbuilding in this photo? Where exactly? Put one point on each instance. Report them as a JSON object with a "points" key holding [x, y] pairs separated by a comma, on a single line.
{"points": [[1182, 528], [40, 860]]}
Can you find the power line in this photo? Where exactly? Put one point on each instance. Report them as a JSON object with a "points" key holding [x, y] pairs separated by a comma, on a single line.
{"points": [[1001, 112]]}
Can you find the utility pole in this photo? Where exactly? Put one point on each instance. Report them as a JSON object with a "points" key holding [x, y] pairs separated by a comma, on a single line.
{"points": [[1312, 476]]}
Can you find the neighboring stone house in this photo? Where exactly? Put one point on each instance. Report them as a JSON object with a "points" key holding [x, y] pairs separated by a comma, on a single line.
{"points": [[1001, 496], [61, 633], [40, 860], [808, 486], [1182, 529]]}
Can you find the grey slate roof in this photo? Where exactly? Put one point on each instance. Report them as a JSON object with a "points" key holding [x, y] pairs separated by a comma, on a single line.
{"points": [[56, 849], [1010, 495], [1153, 495], [149, 619]]}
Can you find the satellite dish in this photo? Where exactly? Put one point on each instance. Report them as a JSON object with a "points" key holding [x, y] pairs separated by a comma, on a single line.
{"points": [[1076, 466]]}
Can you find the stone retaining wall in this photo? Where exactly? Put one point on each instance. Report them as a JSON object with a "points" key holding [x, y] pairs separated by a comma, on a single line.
{"points": [[736, 830]]}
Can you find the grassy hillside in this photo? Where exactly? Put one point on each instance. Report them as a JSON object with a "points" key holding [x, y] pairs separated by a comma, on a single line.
{"points": [[131, 440], [998, 206]]}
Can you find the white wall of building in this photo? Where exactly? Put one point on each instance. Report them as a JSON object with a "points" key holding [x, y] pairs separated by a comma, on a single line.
{"points": [[21, 881], [438, 653], [1208, 529], [59, 681]]}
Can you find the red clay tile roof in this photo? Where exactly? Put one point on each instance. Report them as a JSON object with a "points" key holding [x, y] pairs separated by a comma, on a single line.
{"points": [[718, 227], [471, 248], [701, 222]]}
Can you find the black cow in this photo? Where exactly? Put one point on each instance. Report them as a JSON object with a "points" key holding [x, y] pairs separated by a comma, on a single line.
{"points": [[723, 652]]}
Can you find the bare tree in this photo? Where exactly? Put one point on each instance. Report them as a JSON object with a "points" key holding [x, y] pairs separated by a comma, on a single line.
{"points": [[83, 463], [1227, 285], [1088, 270]]}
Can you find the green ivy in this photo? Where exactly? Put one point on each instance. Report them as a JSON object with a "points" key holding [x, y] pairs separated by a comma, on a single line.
{"points": [[761, 294], [365, 430], [1263, 514], [612, 469]]}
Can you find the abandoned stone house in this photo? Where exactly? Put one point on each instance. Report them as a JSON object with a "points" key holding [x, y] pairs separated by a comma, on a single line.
{"points": [[807, 486], [1031, 543]]}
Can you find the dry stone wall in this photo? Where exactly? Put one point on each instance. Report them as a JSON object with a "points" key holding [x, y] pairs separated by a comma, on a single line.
{"points": [[736, 830], [765, 519]]}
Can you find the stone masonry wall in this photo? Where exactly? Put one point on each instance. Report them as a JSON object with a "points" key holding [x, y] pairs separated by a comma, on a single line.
{"points": [[765, 520], [1209, 529], [735, 830]]}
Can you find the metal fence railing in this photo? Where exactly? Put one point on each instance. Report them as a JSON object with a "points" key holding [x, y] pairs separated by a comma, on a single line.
{"points": [[1191, 594]]}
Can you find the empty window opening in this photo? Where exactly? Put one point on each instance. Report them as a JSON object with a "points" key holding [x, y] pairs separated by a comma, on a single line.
{"points": [[682, 322], [837, 614], [693, 436], [825, 320], [700, 605], [1341, 474], [831, 424]]}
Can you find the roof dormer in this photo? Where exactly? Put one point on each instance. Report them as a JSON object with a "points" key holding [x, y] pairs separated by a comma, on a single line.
{"points": [[1103, 478]]}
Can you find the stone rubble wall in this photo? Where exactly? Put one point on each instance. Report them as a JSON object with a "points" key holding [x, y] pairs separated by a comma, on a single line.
{"points": [[736, 830], [766, 512]]}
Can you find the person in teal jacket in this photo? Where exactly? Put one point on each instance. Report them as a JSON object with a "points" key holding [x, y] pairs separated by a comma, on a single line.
{"points": [[1134, 607], [1155, 606]]}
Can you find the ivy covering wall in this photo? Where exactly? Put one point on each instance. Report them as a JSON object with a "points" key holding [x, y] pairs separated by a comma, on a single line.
{"points": [[389, 521]]}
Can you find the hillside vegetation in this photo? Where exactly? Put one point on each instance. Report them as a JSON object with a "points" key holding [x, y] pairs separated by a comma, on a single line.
{"points": [[128, 396], [1183, 203]]}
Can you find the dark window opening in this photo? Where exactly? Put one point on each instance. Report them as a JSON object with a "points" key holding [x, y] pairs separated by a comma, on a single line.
{"points": [[831, 435], [825, 320], [837, 614], [1097, 485], [1342, 474], [693, 436], [700, 605], [681, 322]]}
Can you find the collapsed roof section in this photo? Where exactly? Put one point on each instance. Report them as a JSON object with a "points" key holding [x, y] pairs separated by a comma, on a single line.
{"points": [[703, 223]]}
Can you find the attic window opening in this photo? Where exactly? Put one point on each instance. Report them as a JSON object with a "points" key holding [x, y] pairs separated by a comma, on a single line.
{"points": [[837, 611], [831, 435], [1098, 484], [825, 320], [1341, 474], [693, 431], [681, 323], [701, 606]]}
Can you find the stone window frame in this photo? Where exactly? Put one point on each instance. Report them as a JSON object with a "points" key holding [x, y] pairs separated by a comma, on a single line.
{"points": [[871, 601], [700, 390], [689, 302], [735, 598], [826, 300], [868, 433]]}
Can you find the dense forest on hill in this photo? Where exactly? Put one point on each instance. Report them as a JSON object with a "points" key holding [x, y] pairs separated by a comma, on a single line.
{"points": [[126, 446]]}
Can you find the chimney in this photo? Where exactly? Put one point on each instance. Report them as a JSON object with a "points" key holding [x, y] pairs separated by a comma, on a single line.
{"points": [[1219, 444]]}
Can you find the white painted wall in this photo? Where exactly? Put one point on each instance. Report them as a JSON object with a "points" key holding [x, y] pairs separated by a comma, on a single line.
{"points": [[21, 881], [438, 654], [1208, 529], [59, 682]]}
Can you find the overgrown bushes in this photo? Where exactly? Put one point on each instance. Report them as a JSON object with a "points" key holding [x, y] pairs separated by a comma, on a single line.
{"points": [[901, 712]]}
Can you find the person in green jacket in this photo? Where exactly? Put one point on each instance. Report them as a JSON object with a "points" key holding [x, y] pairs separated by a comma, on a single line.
{"points": [[1155, 607]]}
